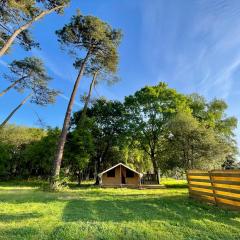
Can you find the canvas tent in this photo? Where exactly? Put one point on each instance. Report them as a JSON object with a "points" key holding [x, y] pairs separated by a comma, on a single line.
{"points": [[120, 175]]}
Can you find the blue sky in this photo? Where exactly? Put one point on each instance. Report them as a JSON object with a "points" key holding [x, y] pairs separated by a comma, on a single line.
{"points": [[194, 46]]}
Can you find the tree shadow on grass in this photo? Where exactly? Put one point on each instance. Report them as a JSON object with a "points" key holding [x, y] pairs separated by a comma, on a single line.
{"points": [[27, 233], [171, 210], [18, 216], [177, 185], [23, 196], [23, 183]]}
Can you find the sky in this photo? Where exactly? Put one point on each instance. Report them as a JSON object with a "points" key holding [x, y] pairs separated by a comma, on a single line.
{"points": [[193, 46]]}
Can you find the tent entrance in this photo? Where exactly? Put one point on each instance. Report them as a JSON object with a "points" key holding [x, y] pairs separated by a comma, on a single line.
{"points": [[123, 179]]}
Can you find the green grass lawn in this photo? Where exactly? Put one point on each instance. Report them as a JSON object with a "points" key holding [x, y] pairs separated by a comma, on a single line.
{"points": [[27, 212]]}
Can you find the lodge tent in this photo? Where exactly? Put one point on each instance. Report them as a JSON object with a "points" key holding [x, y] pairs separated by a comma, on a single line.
{"points": [[120, 175]]}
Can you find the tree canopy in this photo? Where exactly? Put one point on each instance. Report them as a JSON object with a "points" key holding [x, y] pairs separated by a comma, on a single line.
{"points": [[30, 74], [16, 17], [149, 109]]}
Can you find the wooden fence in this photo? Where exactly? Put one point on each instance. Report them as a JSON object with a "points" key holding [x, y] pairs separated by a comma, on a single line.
{"points": [[219, 187]]}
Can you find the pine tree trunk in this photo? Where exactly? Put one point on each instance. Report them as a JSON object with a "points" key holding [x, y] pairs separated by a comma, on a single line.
{"points": [[84, 111], [62, 139], [12, 113], [11, 39], [11, 86]]}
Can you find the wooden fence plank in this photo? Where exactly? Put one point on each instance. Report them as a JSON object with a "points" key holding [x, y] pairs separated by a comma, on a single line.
{"points": [[216, 188], [226, 182], [201, 193], [197, 174], [199, 186], [227, 197], [237, 175], [199, 180]]}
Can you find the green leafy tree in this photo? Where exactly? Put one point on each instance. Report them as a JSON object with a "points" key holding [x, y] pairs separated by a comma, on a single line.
{"points": [[149, 110], [136, 158], [213, 116], [5, 160], [189, 144], [17, 16], [79, 149], [38, 155], [13, 140], [30, 74], [216, 113], [107, 131], [96, 38]]}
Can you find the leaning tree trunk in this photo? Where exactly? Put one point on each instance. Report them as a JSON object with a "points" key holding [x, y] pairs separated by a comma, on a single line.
{"points": [[11, 39], [12, 113], [62, 139], [11, 86], [84, 111]]}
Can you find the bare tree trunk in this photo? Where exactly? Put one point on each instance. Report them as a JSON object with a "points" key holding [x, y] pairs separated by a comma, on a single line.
{"points": [[62, 139], [82, 118], [154, 162], [79, 177], [12, 113], [11, 86], [11, 39]]}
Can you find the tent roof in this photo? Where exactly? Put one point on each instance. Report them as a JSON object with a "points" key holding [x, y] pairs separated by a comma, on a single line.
{"points": [[119, 164]]}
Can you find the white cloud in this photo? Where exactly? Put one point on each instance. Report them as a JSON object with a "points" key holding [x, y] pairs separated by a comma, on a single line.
{"points": [[76, 103], [49, 63], [3, 63]]}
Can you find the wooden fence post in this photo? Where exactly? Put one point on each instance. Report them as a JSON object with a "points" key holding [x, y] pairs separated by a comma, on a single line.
{"points": [[213, 187]]}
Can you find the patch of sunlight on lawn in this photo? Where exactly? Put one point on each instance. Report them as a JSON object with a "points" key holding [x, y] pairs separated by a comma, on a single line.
{"points": [[170, 182]]}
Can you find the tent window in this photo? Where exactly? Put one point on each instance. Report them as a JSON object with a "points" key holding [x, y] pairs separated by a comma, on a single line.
{"points": [[111, 173], [129, 173]]}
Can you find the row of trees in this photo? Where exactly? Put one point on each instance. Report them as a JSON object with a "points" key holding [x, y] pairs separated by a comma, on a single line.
{"points": [[162, 128], [93, 42], [156, 127]]}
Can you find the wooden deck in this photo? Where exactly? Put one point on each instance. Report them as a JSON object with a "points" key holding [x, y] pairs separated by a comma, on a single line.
{"points": [[119, 186], [152, 186], [142, 186]]}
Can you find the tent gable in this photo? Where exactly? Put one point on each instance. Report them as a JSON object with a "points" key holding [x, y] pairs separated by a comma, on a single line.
{"points": [[115, 166]]}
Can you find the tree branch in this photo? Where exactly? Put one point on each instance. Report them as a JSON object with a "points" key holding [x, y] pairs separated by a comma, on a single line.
{"points": [[24, 27]]}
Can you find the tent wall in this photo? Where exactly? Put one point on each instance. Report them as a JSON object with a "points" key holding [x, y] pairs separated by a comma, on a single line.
{"points": [[117, 180], [112, 180]]}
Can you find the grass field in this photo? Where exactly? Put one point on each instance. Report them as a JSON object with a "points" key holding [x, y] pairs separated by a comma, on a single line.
{"points": [[27, 212]]}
